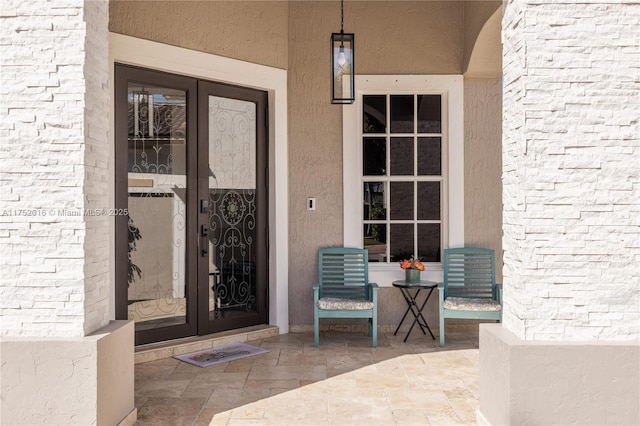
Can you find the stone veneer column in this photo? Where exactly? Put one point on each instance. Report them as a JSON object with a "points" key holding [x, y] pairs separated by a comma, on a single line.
{"points": [[63, 361], [568, 350]]}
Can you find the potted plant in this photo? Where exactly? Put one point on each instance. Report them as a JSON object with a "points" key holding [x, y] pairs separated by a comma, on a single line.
{"points": [[412, 269]]}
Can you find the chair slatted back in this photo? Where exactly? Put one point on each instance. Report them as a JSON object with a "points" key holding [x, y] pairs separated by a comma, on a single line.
{"points": [[343, 272], [470, 272]]}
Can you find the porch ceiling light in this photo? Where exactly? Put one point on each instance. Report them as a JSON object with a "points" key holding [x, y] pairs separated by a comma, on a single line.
{"points": [[342, 70]]}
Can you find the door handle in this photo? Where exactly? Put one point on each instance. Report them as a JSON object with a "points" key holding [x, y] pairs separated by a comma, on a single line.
{"points": [[204, 232]]}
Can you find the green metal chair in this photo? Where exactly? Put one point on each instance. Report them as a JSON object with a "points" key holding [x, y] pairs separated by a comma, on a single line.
{"points": [[343, 289], [469, 290]]}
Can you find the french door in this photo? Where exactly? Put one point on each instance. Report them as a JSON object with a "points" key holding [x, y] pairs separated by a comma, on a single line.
{"points": [[191, 182]]}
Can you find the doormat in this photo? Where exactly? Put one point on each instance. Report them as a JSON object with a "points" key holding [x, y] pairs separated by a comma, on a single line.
{"points": [[208, 357]]}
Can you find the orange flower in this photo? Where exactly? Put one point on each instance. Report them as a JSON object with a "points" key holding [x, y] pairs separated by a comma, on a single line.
{"points": [[412, 264]]}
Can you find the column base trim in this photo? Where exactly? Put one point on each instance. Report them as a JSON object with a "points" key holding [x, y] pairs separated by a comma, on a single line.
{"points": [[71, 381], [534, 382]]}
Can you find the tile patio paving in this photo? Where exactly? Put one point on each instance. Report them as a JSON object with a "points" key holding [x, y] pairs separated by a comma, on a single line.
{"points": [[342, 382]]}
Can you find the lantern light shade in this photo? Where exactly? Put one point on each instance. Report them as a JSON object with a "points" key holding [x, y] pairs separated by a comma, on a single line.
{"points": [[342, 69]]}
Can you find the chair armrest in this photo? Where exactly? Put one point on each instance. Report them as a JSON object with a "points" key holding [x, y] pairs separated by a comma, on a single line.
{"points": [[499, 293], [441, 292], [372, 292], [316, 293]]}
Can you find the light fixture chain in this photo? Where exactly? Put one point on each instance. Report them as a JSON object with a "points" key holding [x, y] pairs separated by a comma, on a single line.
{"points": [[341, 16]]}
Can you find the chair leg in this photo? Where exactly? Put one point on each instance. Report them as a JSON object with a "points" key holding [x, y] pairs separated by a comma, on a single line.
{"points": [[441, 329], [374, 331], [316, 330]]}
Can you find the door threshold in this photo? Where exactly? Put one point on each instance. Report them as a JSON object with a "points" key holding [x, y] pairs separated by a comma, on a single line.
{"points": [[170, 348]]}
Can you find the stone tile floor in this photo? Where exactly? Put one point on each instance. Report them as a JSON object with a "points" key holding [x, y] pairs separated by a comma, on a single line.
{"points": [[342, 382]]}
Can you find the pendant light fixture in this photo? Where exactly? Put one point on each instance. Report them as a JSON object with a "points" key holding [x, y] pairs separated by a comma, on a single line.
{"points": [[342, 70]]}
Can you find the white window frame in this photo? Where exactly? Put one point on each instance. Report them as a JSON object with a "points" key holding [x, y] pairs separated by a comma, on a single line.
{"points": [[452, 229]]}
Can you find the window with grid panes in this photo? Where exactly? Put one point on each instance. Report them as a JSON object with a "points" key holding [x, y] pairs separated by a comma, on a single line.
{"points": [[402, 176]]}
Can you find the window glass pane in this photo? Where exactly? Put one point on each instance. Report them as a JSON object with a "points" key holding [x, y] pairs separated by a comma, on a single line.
{"points": [[401, 113], [374, 207], [429, 156], [374, 118], [401, 200], [374, 158], [401, 156], [375, 240], [401, 241], [429, 114], [428, 201], [399, 159], [429, 242]]}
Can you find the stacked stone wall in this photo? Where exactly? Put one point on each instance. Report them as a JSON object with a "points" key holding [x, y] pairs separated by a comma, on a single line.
{"points": [[571, 170], [54, 163]]}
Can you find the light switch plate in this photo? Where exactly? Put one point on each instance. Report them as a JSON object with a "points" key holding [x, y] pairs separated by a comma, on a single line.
{"points": [[311, 203]]}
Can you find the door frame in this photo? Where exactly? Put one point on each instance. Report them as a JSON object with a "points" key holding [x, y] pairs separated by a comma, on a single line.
{"points": [[149, 54]]}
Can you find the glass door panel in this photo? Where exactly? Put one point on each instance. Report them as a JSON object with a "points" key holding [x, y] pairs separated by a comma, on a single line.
{"points": [[232, 213], [157, 188]]}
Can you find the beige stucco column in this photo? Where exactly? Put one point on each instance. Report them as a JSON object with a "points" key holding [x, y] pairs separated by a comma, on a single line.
{"points": [[568, 350], [63, 360]]}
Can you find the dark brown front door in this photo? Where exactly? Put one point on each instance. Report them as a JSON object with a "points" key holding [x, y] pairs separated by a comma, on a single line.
{"points": [[232, 153], [191, 246]]}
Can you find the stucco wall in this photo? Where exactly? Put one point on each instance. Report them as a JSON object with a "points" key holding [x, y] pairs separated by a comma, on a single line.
{"points": [[483, 166], [391, 38], [399, 37], [253, 31], [476, 14]]}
